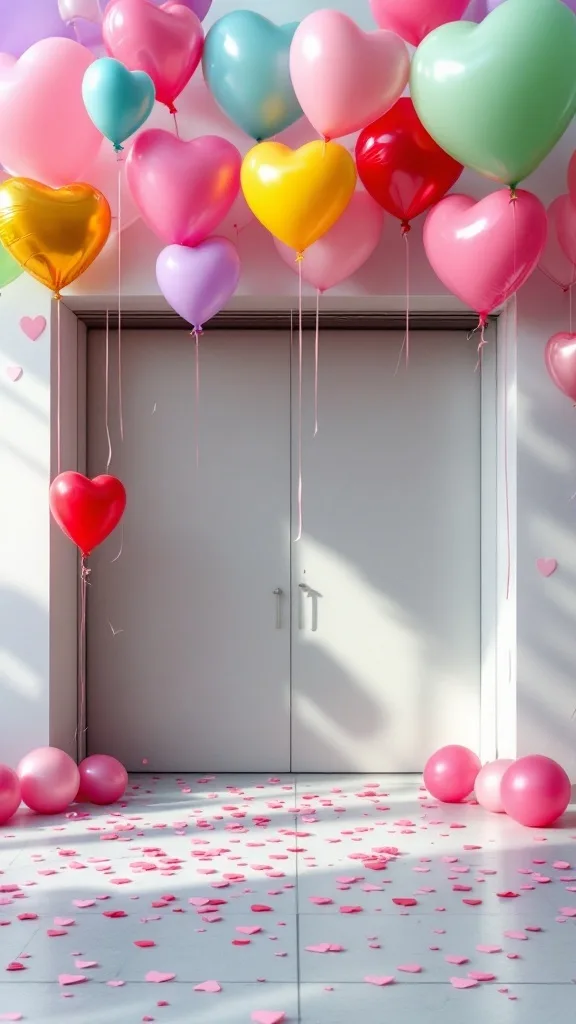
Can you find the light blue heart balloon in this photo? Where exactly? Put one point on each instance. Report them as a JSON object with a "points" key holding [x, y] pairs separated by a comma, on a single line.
{"points": [[246, 66], [118, 101]]}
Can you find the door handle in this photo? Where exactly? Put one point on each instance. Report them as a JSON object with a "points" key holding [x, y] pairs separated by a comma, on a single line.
{"points": [[301, 612], [308, 591], [278, 595]]}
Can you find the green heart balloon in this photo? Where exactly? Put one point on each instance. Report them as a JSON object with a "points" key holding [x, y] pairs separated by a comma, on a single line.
{"points": [[498, 96], [9, 269]]}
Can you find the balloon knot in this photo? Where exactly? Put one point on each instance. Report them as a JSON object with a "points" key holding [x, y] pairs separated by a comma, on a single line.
{"points": [[196, 332], [482, 320], [405, 227], [84, 570], [57, 296], [118, 148], [171, 108], [513, 194], [259, 140], [299, 257]]}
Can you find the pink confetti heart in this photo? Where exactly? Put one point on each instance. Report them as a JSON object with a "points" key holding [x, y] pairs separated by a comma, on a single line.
{"points": [[520, 936], [376, 980], [268, 1016], [410, 968], [463, 982], [248, 929], [63, 922], [11, 1016], [568, 911], [158, 977], [33, 326], [84, 904], [481, 976], [208, 986], [115, 984], [546, 566], [456, 960], [14, 373], [71, 979], [489, 949]]}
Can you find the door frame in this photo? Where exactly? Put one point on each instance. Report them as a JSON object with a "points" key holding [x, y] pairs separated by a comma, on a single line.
{"points": [[498, 484]]}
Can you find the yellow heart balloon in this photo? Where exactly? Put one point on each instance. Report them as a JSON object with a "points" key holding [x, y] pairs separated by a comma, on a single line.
{"points": [[54, 234], [298, 194]]}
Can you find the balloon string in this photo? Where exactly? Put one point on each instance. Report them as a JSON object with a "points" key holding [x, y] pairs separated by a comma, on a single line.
{"points": [[196, 334], [119, 228], [407, 251], [316, 360], [107, 400], [176, 124], [511, 339], [570, 306], [481, 326], [59, 387], [300, 351], [115, 559], [81, 715]]}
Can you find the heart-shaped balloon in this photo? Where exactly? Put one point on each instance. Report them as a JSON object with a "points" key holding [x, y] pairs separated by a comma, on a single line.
{"points": [[344, 248], [45, 131], [344, 77], [246, 68], [70, 10], [166, 42], [87, 510], [498, 96], [198, 282], [412, 20], [558, 260], [560, 359], [484, 251], [401, 166], [118, 101], [298, 194], [54, 234], [183, 189]]}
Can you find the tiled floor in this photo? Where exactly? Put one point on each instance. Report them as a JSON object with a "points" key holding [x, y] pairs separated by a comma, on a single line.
{"points": [[308, 872]]}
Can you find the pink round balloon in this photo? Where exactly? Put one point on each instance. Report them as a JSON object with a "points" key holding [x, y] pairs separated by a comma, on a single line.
{"points": [[558, 260], [536, 791], [484, 251], [344, 248], [103, 779], [10, 795], [450, 773], [560, 359], [45, 132], [488, 785], [345, 78], [49, 779]]}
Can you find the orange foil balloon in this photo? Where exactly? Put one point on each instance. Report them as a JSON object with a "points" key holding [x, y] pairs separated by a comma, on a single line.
{"points": [[54, 234]]}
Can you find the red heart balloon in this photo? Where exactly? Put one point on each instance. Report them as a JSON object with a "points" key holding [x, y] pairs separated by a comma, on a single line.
{"points": [[401, 165], [560, 357], [87, 510]]}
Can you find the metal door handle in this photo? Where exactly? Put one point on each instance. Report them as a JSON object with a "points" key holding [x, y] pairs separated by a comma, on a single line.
{"points": [[278, 595], [301, 612]]}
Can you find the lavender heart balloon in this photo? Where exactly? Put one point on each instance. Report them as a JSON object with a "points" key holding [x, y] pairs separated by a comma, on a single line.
{"points": [[198, 282]]}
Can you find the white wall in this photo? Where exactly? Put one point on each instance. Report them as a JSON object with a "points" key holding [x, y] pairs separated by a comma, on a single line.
{"points": [[546, 462]]}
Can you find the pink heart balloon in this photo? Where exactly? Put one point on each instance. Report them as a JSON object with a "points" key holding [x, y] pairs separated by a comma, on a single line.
{"points": [[560, 359], [45, 131], [345, 78], [484, 251], [412, 20], [344, 249], [165, 41], [558, 261], [183, 189]]}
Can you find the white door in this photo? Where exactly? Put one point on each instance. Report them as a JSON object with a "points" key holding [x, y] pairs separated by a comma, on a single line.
{"points": [[386, 662], [187, 669]]}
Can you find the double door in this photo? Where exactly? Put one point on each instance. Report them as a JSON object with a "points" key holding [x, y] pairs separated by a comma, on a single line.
{"points": [[217, 642]]}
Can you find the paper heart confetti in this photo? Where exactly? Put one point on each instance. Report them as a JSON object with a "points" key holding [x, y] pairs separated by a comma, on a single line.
{"points": [[159, 977], [14, 373], [268, 1016], [546, 566], [33, 326], [381, 980], [208, 986], [463, 982]]}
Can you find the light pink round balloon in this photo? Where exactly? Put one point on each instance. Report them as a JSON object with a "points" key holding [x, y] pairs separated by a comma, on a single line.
{"points": [[415, 19], [49, 779], [558, 261], [45, 131], [488, 784], [484, 251], [103, 779], [450, 773], [344, 248], [10, 794], [560, 359], [345, 78], [183, 189], [536, 791]]}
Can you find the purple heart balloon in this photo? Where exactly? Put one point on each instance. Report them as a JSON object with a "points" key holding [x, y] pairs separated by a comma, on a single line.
{"points": [[197, 282], [27, 21]]}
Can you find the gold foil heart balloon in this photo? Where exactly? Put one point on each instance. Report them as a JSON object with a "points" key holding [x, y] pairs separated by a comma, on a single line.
{"points": [[54, 234], [298, 194]]}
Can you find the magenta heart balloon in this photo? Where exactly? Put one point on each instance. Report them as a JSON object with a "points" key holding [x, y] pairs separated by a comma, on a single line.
{"points": [[198, 282], [412, 20], [344, 249], [484, 251], [560, 358], [558, 261], [183, 189]]}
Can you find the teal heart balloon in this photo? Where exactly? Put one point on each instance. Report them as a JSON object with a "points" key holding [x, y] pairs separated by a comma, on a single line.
{"points": [[118, 101], [498, 96], [246, 68]]}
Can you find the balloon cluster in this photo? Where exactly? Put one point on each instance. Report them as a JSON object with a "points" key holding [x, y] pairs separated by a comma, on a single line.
{"points": [[47, 780], [534, 790]]}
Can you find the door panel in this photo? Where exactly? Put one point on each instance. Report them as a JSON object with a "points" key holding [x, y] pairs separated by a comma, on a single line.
{"points": [[386, 662], [186, 668]]}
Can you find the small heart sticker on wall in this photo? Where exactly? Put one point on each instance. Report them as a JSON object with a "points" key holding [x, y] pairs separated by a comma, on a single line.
{"points": [[33, 326], [14, 373], [546, 566]]}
